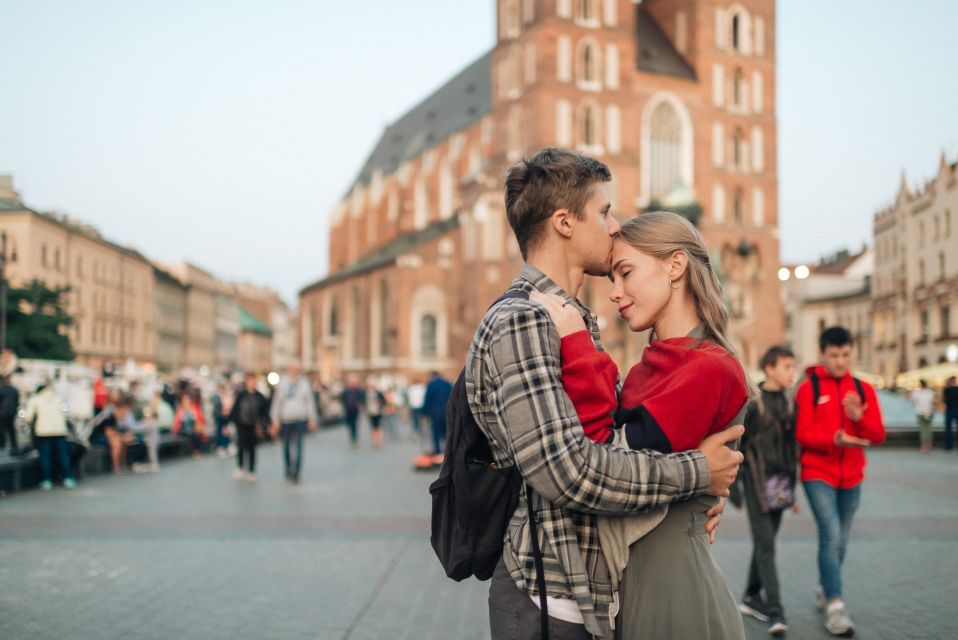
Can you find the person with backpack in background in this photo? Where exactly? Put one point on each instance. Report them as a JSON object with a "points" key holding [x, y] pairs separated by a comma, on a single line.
{"points": [[838, 417], [249, 415], [9, 404], [768, 476], [949, 398], [511, 391]]}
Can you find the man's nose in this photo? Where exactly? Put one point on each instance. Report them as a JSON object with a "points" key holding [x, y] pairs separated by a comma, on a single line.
{"points": [[614, 226]]}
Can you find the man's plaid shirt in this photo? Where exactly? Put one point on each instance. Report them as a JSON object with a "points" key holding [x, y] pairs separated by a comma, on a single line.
{"points": [[514, 387]]}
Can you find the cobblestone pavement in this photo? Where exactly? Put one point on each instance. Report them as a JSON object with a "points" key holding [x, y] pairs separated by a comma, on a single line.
{"points": [[189, 553]]}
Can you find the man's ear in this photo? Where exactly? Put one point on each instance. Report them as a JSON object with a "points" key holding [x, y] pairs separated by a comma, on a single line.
{"points": [[562, 222], [678, 265]]}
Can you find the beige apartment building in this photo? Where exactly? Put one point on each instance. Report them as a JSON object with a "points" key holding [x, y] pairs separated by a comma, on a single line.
{"points": [[169, 306], [916, 275], [111, 298], [266, 306]]}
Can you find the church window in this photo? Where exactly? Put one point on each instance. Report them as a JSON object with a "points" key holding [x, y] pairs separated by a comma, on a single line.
{"points": [[738, 90], [666, 150], [588, 63], [737, 213], [588, 13], [738, 149], [427, 336], [512, 18]]}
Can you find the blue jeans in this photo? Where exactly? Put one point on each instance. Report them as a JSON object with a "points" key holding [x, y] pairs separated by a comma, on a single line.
{"points": [[293, 439], [951, 416], [222, 440], [45, 447], [833, 510]]}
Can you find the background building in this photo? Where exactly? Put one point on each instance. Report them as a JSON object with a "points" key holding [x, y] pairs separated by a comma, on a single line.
{"points": [[837, 291], [916, 275], [677, 97], [255, 345], [169, 295], [111, 297]]}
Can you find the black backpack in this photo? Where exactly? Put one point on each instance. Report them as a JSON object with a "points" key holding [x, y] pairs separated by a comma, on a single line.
{"points": [[472, 500], [816, 388]]}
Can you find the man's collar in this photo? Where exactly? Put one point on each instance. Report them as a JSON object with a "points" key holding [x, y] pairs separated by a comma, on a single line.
{"points": [[545, 284]]}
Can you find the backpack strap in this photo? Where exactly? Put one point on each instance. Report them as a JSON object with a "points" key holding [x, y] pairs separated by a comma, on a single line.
{"points": [[540, 571], [859, 388], [816, 388]]}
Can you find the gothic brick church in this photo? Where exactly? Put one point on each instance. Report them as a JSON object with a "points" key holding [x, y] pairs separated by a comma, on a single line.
{"points": [[677, 97]]}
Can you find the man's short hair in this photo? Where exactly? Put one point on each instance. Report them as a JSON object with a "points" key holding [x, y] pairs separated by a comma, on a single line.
{"points": [[835, 337], [773, 355], [923, 383], [550, 180]]}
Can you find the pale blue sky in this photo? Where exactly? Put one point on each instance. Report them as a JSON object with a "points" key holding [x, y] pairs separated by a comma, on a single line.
{"points": [[224, 132]]}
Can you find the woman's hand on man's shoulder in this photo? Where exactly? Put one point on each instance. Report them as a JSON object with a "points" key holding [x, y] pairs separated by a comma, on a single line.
{"points": [[565, 316]]}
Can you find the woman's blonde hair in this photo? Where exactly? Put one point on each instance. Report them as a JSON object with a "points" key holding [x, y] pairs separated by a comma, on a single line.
{"points": [[660, 234]]}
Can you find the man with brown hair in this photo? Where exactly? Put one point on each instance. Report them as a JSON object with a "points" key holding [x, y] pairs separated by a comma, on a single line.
{"points": [[558, 207]]}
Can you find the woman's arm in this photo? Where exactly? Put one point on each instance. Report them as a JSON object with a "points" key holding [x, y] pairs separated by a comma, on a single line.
{"points": [[589, 377]]}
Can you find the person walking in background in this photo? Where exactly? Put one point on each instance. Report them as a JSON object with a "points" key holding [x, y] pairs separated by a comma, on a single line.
{"points": [[768, 474], [375, 408], [50, 429], [250, 414], [838, 417], [949, 398], [924, 400], [416, 396], [434, 407], [221, 410], [292, 412], [353, 399], [191, 423], [9, 404]]}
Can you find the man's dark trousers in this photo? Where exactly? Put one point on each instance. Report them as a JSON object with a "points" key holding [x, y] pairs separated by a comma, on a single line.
{"points": [[764, 526]]}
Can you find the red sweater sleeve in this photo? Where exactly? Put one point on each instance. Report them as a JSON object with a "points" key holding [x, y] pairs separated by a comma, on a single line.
{"points": [[808, 434], [589, 377], [871, 426]]}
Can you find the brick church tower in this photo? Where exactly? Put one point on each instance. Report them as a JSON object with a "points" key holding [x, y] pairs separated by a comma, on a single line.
{"points": [[675, 96]]}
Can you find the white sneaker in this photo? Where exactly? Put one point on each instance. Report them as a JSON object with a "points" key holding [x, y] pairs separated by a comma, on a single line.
{"points": [[221, 454], [838, 623], [251, 477], [237, 474]]}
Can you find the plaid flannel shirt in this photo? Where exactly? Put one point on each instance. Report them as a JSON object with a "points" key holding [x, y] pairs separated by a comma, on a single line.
{"points": [[514, 387]]}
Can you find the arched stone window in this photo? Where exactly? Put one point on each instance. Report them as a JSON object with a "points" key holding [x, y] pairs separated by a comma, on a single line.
{"points": [[739, 29], [333, 316], [738, 91], [665, 147], [427, 336], [588, 63], [738, 206], [589, 126]]}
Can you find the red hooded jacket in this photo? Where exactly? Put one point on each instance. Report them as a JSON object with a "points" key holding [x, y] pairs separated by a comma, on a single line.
{"points": [[822, 459]]}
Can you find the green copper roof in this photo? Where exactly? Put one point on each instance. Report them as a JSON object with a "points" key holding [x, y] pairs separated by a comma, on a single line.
{"points": [[250, 323]]}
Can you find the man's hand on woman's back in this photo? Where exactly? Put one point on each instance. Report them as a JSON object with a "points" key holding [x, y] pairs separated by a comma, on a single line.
{"points": [[723, 461]]}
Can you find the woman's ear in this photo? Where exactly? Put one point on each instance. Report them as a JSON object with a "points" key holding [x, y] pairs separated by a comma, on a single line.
{"points": [[562, 222], [678, 265]]}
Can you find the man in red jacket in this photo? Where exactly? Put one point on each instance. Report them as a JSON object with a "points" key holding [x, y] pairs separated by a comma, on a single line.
{"points": [[838, 417]]}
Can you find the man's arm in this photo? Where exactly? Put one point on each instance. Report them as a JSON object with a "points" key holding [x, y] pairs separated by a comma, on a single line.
{"points": [[808, 434], [544, 436]]}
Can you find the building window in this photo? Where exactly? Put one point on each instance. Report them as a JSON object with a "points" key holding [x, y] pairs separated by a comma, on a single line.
{"points": [[738, 150], [941, 265], [666, 150], [56, 259], [385, 332], [937, 229], [427, 336], [737, 206], [333, 317], [564, 8], [511, 26], [921, 272], [944, 315], [738, 90], [43, 255], [718, 144], [588, 65], [947, 224], [588, 13], [718, 203], [921, 234], [564, 59], [736, 32], [589, 126], [613, 127], [739, 36]]}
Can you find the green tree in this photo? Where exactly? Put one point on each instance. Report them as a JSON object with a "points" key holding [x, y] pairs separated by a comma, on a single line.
{"points": [[37, 321]]}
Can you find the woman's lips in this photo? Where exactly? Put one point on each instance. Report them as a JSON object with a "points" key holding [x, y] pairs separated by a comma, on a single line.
{"points": [[624, 309]]}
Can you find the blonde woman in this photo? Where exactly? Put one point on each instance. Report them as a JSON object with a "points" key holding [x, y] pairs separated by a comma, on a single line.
{"points": [[688, 385]]}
